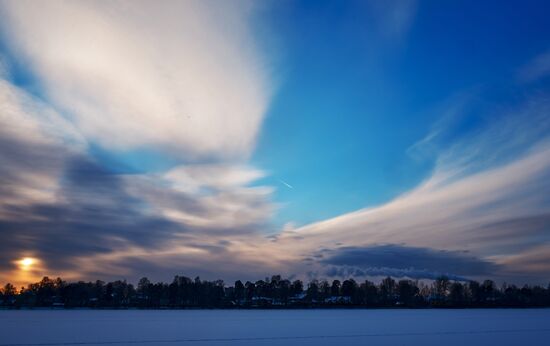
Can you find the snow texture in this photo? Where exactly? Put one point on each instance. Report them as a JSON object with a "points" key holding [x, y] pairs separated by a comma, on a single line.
{"points": [[275, 327]]}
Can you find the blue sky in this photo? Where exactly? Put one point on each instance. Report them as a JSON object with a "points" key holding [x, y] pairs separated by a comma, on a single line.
{"points": [[353, 98], [308, 138]]}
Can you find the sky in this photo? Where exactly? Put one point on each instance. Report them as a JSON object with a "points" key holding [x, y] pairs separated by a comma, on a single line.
{"points": [[240, 139]]}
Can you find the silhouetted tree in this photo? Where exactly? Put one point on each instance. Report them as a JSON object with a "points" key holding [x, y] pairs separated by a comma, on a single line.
{"points": [[313, 291], [457, 295], [335, 288], [283, 291], [488, 292], [239, 290], [250, 290], [324, 290], [474, 293], [273, 292], [349, 291], [9, 290], [407, 291], [297, 287], [388, 291], [371, 296], [440, 289]]}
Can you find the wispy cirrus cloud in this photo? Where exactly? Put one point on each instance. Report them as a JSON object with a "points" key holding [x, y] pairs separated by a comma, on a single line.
{"points": [[63, 207], [183, 77], [486, 195], [483, 206], [218, 198], [187, 79]]}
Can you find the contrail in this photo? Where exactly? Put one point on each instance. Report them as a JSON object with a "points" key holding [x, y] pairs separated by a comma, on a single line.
{"points": [[286, 184]]}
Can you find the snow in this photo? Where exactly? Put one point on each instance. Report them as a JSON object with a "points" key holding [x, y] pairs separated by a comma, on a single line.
{"points": [[275, 327]]}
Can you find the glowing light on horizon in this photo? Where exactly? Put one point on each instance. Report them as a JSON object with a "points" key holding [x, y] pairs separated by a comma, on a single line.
{"points": [[26, 263]]}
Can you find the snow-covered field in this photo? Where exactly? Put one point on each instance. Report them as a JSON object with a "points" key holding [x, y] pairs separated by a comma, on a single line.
{"points": [[276, 327]]}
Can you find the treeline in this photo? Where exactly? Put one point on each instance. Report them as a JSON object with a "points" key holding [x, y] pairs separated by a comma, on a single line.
{"points": [[276, 292]]}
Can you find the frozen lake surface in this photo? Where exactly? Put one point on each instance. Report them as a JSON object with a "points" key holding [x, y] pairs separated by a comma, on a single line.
{"points": [[276, 327]]}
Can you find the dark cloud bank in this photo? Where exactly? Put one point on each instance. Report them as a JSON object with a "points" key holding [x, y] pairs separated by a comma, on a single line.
{"points": [[93, 209], [404, 261]]}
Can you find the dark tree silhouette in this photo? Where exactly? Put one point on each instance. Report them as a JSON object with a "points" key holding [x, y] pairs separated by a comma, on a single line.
{"points": [[407, 291], [335, 288], [276, 292]]}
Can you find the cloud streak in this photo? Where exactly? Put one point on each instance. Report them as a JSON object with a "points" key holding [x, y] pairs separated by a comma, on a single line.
{"points": [[482, 212], [183, 77], [187, 80], [63, 207], [487, 195]]}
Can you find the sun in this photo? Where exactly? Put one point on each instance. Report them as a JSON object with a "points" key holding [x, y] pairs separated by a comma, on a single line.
{"points": [[26, 263]]}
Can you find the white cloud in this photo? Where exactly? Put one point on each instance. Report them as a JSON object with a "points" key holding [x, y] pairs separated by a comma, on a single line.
{"points": [[181, 76], [219, 176], [487, 195], [186, 78], [31, 136], [49, 184], [215, 197]]}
